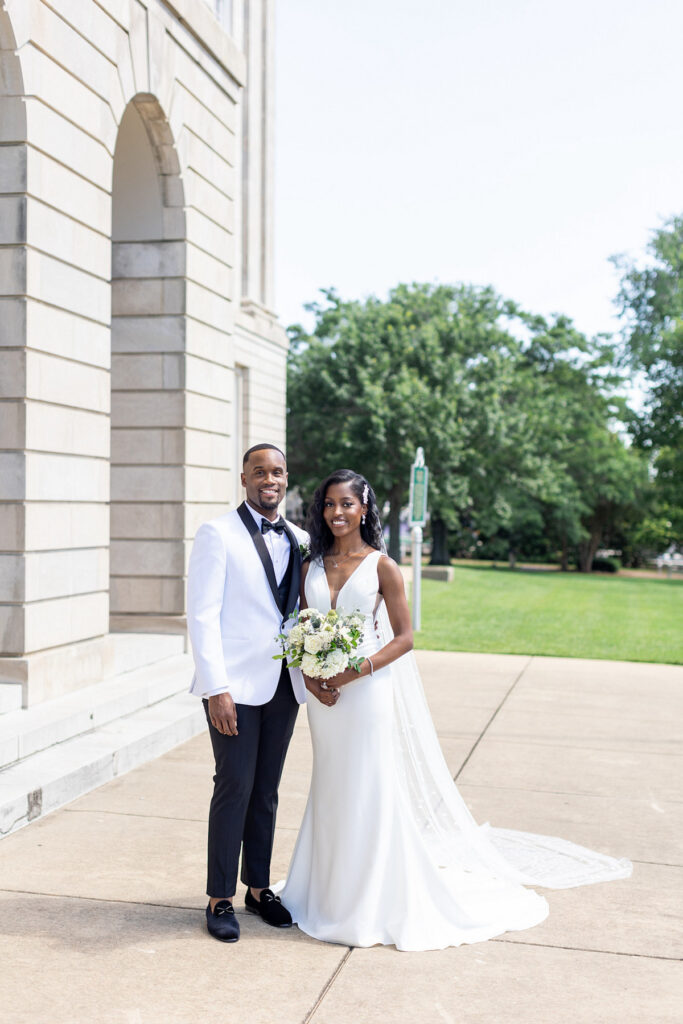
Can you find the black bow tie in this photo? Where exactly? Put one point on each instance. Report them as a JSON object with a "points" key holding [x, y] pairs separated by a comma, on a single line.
{"points": [[279, 526]]}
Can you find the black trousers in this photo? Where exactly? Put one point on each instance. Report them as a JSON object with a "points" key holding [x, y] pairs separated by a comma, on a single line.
{"points": [[244, 802]]}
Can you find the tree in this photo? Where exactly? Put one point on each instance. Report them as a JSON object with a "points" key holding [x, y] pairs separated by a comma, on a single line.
{"points": [[370, 383], [651, 305]]}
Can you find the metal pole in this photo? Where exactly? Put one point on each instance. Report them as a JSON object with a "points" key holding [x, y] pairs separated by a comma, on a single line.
{"points": [[416, 533]]}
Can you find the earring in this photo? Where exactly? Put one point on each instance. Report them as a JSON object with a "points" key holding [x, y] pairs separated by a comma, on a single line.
{"points": [[362, 519]]}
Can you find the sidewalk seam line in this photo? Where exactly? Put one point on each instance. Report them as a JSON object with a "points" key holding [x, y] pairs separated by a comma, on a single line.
{"points": [[492, 719], [326, 988], [583, 949]]}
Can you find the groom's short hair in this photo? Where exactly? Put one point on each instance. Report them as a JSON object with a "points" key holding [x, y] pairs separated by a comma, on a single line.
{"points": [[258, 448]]}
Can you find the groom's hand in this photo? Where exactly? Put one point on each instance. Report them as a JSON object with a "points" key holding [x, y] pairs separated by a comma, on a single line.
{"points": [[223, 714]]}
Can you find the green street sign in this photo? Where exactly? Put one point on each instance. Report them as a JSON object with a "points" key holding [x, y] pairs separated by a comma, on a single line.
{"points": [[418, 494]]}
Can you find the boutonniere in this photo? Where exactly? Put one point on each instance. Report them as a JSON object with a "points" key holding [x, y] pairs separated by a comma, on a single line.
{"points": [[304, 550]]}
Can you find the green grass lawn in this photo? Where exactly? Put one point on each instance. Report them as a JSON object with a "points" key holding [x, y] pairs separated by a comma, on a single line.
{"points": [[553, 613]]}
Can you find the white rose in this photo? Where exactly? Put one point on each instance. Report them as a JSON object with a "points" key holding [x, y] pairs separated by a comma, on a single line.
{"points": [[314, 642], [310, 666]]}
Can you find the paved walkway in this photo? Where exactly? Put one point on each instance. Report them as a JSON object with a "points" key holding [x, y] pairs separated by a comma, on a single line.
{"points": [[101, 903]]}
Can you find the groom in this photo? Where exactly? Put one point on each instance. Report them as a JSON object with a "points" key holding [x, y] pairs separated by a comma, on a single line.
{"points": [[243, 582]]}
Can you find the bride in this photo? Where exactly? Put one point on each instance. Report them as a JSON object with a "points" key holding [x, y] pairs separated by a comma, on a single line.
{"points": [[388, 852]]}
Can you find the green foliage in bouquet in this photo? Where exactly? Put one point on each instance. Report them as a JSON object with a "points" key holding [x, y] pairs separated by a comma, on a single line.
{"points": [[322, 645]]}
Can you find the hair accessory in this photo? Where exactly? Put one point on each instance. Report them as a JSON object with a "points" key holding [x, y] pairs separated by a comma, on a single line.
{"points": [[366, 492]]}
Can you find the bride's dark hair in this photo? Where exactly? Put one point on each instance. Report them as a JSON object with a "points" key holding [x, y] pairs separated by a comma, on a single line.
{"points": [[320, 533]]}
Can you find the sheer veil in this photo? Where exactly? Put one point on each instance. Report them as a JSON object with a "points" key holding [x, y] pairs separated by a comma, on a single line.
{"points": [[443, 818]]}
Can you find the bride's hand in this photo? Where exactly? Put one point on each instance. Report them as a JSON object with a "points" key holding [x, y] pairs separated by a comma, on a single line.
{"points": [[349, 675], [327, 695]]}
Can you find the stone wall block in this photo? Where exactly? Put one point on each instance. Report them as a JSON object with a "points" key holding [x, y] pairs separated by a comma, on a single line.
{"points": [[64, 333], [62, 381], [68, 287], [68, 144], [59, 186], [13, 120], [211, 343], [209, 378], [148, 409], [12, 629], [13, 274], [53, 525], [147, 558], [132, 595], [207, 234], [210, 272], [12, 476], [208, 306], [11, 82], [198, 512], [204, 413], [199, 157], [206, 484], [131, 372], [70, 241], [12, 220], [204, 449], [12, 322], [46, 78], [148, 334], [12, 578], [12, 425], [148, 259], [204, 196], [13, 374], [146, 447], [51, 574], [148, 297], [92, 22], [137, 34], [12, 530], [65, 620], [147, 483], [13, 164], [148, 520], [174, 221], [58, 428], [52, 477]]}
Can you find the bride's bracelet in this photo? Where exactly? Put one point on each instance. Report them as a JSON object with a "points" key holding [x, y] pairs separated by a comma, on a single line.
{"points": [[369, 661]]}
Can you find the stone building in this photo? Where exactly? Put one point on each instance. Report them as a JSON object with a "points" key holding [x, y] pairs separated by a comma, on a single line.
{"points": [[139, 353]]}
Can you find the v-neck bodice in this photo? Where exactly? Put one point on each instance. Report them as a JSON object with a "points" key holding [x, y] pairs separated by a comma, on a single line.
{"points": [[357, 593]]}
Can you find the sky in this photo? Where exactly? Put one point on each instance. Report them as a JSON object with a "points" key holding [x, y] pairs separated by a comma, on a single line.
{"points": [[513, 143]]}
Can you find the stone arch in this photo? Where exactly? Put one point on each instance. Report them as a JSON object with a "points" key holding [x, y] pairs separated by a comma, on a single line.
{"points": [[148, 372]]}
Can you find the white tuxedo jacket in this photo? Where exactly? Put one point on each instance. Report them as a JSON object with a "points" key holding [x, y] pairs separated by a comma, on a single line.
{"points": [[233, 616]]}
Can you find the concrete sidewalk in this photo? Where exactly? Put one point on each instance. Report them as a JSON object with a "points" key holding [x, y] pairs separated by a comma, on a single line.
{"points": [[102, 905]]}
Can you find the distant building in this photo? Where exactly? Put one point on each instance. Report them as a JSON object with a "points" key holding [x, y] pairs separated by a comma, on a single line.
{"points": [[139, 354]]}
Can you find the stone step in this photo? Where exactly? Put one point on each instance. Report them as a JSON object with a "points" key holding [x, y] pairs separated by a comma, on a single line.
{"points": [[46, 780], [26, 732]]}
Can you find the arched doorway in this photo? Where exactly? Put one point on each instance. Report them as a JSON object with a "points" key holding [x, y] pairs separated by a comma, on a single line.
{"points": [[147, 377]]}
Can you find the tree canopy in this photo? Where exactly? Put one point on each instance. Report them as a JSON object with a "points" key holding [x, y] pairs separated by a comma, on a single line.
{"points": [[515, 415]]}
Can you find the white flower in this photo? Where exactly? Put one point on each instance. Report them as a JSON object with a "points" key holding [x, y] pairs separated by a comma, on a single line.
{"points": [[336, 661], [309, 665], [296, 634], [315, 642]]}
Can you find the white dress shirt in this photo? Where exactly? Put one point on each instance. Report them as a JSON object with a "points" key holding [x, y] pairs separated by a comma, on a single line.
{"points": [[278, 544]]}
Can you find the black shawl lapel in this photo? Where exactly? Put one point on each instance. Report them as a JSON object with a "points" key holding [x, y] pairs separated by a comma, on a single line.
{"points": [[295, 582], [260, 545]]}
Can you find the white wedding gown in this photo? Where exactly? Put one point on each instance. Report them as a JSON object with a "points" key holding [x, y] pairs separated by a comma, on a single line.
{"points": [[388, 852]]}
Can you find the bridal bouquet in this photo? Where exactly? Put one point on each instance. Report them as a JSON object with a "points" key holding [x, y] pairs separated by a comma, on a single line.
{"points": [[320, 644]]}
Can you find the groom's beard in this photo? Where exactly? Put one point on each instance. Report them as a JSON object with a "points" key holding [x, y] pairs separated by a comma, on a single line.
{"points": [[266, 503]]}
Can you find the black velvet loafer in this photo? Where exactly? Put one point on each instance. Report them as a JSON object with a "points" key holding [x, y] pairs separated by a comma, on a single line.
{"points": [[270, 908], [222, 923]]}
